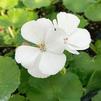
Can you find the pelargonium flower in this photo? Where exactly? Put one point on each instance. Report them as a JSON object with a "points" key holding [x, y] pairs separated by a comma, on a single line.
{"points": [[76, 38], [50, 39], [46, 57]]}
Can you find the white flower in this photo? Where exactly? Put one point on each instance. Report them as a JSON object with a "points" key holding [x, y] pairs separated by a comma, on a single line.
{"points": [[51, 39], [76, 38], [47, 57]]}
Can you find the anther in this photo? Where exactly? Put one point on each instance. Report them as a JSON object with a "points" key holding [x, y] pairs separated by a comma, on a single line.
{"points": [[65, 40]]}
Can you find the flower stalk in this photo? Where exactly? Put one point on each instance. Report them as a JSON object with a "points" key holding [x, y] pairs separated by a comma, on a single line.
{"points": [[11, 32]]}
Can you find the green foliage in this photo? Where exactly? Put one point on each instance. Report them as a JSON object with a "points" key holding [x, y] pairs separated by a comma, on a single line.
{"points": [[17, 98], [55, 88], [95, 81], [36, 3], [97, 97], [4, 21], [83, 65], [96, 9], [52, 15], [98, 46], [9, 77], [7, 4], [83, 72], [83, 22], [86, 6], [77, 5], [20, 16], [24, 86], [58, 87]]}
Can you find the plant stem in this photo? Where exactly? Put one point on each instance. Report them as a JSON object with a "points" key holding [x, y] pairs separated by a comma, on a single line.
{"points": [[2, 12], [9, 28], [93, 48], [11, 32]]}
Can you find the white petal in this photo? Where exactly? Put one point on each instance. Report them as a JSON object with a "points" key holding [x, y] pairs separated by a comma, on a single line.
{"points": [[54, 40], [51, 63], [71, 49], [67, 22], [29, 57], [34, 31], [34, 69], [26, 54], [80, 39]]}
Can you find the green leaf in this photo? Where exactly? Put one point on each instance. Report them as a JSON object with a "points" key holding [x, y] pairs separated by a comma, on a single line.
{"points": [[77, 5], [17, 98], [97, 97], [6, 4], [60, 87], [97, 61], [4, 21], [83, 22], [93, 12], [36, 3], [98, 46], [83, 65], [94, 82], [18, 39], [9, 77], [1, 39], [24, 86], [8, 40], [52, 15], [19, 16], [5, 98]]}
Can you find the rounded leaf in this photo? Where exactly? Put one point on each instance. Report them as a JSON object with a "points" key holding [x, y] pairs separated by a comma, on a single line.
{"points": [[6, 4], [93, 12], [17, 98], [97, 97], [19, 16], [60, 87], [36, 3], [9, 77], [98, 46], [77, 5]]}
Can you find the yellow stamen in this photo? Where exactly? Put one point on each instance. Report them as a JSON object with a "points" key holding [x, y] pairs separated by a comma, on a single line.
{"points": [[42, 47], [65, 40]]}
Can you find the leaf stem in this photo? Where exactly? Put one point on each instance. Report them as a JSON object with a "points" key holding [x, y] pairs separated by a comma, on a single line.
{"points": [[11, 32], [93, 48], [9, 28], [2, 12]]}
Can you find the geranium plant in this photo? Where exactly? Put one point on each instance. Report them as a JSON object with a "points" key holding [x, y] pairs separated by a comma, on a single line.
{"points": [[50, 50]]}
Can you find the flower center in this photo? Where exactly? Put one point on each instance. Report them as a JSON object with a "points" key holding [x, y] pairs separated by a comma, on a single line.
{"points": [[65, 40], [42, 47]]}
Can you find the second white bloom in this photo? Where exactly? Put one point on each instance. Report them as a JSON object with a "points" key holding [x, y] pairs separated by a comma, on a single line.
{"points": [[76, 38]]}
